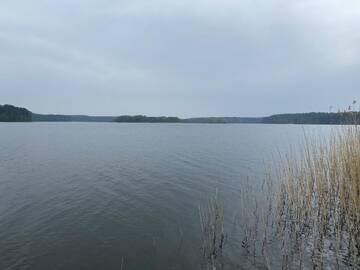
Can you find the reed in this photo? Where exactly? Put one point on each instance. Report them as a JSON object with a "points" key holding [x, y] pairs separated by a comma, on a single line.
{"points": [[213, 234], [306, 215], [318, 208]]}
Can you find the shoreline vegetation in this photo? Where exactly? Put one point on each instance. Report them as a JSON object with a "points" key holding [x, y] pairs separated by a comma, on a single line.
{"points": [[318, 207], [9, 113], [306, 215]]}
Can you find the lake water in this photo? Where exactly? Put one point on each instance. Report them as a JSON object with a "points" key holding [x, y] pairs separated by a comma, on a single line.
{"points": [[101, 195]]}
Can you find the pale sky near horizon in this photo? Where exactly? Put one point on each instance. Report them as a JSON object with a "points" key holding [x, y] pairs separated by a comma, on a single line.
{"points": [[184, 58]]}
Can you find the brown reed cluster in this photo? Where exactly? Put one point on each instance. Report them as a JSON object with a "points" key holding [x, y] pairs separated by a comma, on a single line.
{"points": [[318, 211]]}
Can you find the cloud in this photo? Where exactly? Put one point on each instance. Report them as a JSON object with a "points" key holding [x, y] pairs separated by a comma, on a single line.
{"points": [[179, 57]]}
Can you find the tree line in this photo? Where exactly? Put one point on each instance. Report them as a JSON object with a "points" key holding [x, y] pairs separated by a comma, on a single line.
{"points": [[339, 118], [146, 119], [9, 113]]}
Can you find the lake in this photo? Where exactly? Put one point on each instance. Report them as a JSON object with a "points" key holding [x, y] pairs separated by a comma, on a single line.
{"points": [[111, 196]]}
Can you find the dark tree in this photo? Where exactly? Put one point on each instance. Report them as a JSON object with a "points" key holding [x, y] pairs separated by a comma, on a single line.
{"points": [[341, 118], [146, 119], [9, 113]]}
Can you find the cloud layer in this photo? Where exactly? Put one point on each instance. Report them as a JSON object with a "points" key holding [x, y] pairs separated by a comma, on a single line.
{"points": [[183, 58]]}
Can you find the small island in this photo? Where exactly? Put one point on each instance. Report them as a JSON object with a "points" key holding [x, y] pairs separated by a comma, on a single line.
{"points": [[146, 119]]}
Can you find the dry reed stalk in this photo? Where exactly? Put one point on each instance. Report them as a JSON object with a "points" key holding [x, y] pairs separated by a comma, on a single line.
{"points": [[319, 198], [213, 233]]}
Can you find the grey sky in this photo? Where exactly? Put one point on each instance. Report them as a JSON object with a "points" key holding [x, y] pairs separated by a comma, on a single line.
{"points": [[185, 58]]}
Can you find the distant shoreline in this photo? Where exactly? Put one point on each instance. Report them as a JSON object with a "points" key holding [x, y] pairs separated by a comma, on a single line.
{"points": [[10, 113]]}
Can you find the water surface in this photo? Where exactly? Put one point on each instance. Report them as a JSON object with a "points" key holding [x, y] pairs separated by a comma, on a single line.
{"points": [[96, 195]]}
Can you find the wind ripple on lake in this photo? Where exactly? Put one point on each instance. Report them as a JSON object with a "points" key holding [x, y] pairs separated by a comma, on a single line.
{"points": [[85, 195]]}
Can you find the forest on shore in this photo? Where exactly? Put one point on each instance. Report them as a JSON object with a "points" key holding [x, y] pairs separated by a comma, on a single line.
{"points": [[10, 113]]}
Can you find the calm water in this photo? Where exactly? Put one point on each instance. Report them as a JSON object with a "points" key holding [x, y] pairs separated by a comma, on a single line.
{"points": [[91, 196]]}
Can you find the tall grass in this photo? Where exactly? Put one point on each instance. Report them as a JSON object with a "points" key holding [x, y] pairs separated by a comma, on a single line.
{"points": [[307, 215], [213, 234], [318, 211]]}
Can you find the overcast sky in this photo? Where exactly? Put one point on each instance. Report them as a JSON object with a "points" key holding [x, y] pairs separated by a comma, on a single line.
{"points": [[184, 58]]}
